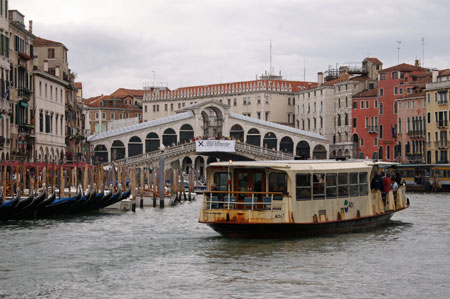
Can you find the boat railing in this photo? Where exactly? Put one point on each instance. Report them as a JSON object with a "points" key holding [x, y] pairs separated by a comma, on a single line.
{"points": [[242, 200]]}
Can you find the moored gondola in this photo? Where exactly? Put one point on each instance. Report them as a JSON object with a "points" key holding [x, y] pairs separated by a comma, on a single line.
{"points": [[30, 207], [9, 206], [59, 206], [116, 197]]}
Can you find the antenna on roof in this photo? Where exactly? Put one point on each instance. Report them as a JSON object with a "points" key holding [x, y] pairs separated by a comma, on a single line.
{"points": [[270, 67], [398, 50], [423, 51]]}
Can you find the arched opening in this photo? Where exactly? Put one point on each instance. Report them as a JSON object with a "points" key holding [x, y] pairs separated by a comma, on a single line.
{"points": [[187, 164], [270, 141], [200, 166], [347, 153], [355, 140], [151, 142], [100, 154], [237, 133], [134, 146], [3, 156], [169, 137], [117, 150], [302, 150], [186, 133], [319, 152], [254, 137], [339, 153], [212, 121], [333, 155], [287, 145]]}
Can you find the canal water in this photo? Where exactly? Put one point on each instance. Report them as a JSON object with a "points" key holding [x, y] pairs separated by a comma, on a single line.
{"points": [[166, 253]]}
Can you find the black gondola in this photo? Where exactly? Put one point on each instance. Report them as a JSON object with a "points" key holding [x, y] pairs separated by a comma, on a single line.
{"points": [[102, 201], [10, 206], [59, 206], [30, 207], [115, 198]]}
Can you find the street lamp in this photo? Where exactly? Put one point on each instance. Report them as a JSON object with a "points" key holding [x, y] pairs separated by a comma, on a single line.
{"points": [[162, 187]]}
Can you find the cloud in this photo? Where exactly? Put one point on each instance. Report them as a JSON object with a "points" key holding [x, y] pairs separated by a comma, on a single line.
{"points": [[116, 44]]}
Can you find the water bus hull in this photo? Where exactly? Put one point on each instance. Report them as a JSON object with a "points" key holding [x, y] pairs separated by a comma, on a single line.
{"points": [[280, 230]]}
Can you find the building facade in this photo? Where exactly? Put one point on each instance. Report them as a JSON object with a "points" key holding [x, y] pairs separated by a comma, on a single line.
{"points": [[437, 117], [269, 98], [21, 88], [6, 105]]}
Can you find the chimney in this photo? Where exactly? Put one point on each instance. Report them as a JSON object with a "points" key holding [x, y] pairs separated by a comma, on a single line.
{"points": [[45, 66], [30, 26], [320, 78], [434, 75], [417, 63]]}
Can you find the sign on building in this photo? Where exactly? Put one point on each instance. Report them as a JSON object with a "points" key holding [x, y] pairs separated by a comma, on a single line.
{"points": [[202, 146]]}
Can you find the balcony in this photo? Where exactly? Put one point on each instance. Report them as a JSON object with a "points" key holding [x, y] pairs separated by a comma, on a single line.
{"points": [[441, 124], [442, 103], [442, 144], [25, 92], [373, 129], [416, 134], [26, 129], [415, 157]]}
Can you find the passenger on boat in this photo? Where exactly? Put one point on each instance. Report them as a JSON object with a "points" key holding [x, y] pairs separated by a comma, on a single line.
{"points": [[394, 187], [387, 186], [377, 182]]}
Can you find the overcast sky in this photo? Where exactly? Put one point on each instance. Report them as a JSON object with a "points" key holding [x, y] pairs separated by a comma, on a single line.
{"points": [[117, 43]]}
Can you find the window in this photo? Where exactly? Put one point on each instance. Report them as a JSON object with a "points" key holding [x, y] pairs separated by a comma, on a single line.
{"points": [[367, 104], [331, 185], [363, 184], [103, 115], [381, 108], [221, 181], [375, 141], [318, 186], [234, 102], [354, 188], [375, 104], [354, 122], [171, 107], [47, 123], [112, 115], [401, 90], [343, 184], [51, 53], [361, 141], [303, 186], [120, 115], [277, 182], [395, 90], [362, 105], [96, 115], [145, 108], [41, 122]]}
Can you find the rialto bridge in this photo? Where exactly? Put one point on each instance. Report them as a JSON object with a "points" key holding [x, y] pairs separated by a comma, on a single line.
{"points": [[255, 139]]}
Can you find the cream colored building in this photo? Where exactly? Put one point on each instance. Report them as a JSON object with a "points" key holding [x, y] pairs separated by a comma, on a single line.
{"points": [[50, 100], [327, 108], [270, 98], [437, 97]]}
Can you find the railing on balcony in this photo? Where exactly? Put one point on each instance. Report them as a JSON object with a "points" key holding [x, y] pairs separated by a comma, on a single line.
{"points": [[441, 123], [373, 129], [25, 92], [26, 129], [416, 134], [441, 144], [442, 102], [415, 157]]}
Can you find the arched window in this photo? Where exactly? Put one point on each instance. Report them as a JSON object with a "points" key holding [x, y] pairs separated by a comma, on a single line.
{"points": [[254, 137], [237, 133], [117, 150], [151, 142], [169, 137], [186, 133], [270, 141], [287, 145], [134, 146]]}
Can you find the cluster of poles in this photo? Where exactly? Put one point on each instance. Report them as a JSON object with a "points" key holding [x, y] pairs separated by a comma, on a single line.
{"points": [[39, 190]]}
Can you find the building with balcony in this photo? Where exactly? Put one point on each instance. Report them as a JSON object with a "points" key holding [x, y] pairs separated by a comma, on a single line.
{"points": [[6, 104], [52, 59], [437, 96], [21, 89], [411, 125]]}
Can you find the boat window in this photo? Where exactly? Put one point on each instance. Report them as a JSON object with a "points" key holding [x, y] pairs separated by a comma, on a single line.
{"points": [[221, 181], [354, 188], [343, 185], [331, 185], [319, 186], [277, 182], [303, 184], [363, 184]]}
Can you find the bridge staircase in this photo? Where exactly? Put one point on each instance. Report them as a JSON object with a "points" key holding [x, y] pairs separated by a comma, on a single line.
{"points": [[173, 153]]}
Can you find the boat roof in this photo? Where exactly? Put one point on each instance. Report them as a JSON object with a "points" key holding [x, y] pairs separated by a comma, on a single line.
{"points": [[302, 165]]}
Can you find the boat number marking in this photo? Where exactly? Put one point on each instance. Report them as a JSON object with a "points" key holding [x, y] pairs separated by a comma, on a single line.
{"points": [[279, 215]]}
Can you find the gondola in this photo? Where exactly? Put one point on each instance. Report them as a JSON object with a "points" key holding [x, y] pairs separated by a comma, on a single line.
{"points": [[9, 206], [116, 197], [59, 206], [30, 207], [102, 201]]}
